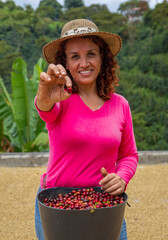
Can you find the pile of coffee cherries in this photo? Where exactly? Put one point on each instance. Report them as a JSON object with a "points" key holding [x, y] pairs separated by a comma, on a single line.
{"points": [[81, 199]]}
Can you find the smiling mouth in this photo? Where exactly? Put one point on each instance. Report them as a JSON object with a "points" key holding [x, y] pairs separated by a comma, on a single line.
{"points": [[85, 72]]}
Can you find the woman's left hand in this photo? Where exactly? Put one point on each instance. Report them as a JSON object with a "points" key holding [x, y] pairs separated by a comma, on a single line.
{"points": [[112, 183]]}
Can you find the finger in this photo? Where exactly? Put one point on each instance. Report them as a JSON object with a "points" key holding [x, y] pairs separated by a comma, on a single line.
{"points": [[104, 172], [61, 70], [115, 189], [53, 70], [116, 192], [44, 77], [111, 183], [68, 81], [57, 70], [108, 178], [48, 79], [59, 79]]}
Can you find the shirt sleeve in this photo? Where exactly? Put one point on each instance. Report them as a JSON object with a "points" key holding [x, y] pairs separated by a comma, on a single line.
{"points": [[127, 160], [49, 116]]}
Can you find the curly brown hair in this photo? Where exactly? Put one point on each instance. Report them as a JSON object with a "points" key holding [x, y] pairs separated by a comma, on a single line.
{"points": [[107, 79]]}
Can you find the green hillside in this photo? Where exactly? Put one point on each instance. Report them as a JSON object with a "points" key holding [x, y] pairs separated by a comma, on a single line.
{"points": [[143, 59]]}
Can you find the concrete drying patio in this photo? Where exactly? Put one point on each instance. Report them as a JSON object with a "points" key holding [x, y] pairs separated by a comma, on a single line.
{"points": [[147, 195]]}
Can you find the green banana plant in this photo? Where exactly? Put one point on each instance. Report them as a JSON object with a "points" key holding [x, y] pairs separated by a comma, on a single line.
{"points": [[18, 117]]}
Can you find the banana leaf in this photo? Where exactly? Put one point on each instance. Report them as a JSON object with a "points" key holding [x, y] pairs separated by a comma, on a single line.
{"points": [[19, 119], [23, 94], [6, 106], [41, 139], [8, 125], [38, 68]]}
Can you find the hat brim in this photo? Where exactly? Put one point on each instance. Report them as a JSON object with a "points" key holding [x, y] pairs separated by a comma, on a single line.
{"points": [[113, 40]]}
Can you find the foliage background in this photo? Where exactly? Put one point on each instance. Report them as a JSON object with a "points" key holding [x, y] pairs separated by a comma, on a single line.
{"points": [[143, 64]]}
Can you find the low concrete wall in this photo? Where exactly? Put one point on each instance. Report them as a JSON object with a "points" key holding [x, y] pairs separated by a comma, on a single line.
{"points": [[153, 157], [31, 159], [35, 159]]}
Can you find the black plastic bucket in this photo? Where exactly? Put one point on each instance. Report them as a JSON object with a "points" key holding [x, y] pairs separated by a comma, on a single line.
{"points": [[63, 224]]}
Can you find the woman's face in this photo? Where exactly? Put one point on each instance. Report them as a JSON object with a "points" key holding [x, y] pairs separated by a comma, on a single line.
{"points": [[83, 60]]}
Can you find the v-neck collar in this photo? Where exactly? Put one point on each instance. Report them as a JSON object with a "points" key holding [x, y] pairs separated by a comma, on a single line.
{"points": [[88, 108]]}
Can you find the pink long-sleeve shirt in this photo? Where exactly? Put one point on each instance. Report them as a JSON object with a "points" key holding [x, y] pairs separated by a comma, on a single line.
{"points": [[82, 141]]}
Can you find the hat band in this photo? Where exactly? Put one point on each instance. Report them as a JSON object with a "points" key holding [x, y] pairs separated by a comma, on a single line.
{"points": [[77, 31]]}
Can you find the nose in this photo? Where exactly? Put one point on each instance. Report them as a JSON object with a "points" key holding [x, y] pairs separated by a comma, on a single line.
{"points": [[84, 63]]}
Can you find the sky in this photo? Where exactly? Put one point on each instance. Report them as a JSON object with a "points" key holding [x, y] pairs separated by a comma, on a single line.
{"points": [[112, 5]]}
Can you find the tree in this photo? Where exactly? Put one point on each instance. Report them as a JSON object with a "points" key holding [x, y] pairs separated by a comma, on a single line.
{"points": [[1, 4], [157, 17], [49, 8], [29, 9], [52, 3], [68, 4], [10, 4], [74, 13], [7, 55]]}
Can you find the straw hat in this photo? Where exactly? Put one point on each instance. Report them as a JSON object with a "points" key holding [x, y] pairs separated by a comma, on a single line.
{"points": [[78, 28]]}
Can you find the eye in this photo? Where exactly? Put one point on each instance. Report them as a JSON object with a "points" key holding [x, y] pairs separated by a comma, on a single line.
{"points": [[75, 56], [91, 54]]}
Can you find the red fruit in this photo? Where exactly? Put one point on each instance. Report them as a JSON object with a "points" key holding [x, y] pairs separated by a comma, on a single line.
{"points": [[106, 204], [86, 204], [83, 199], [68, 89], [76, 206]]}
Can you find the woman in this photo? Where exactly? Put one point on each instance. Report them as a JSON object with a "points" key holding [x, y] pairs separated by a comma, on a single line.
{"points": [[89, 126]]}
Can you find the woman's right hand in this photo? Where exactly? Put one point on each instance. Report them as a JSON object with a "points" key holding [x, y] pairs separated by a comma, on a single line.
{"points": [[51, 87]]}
